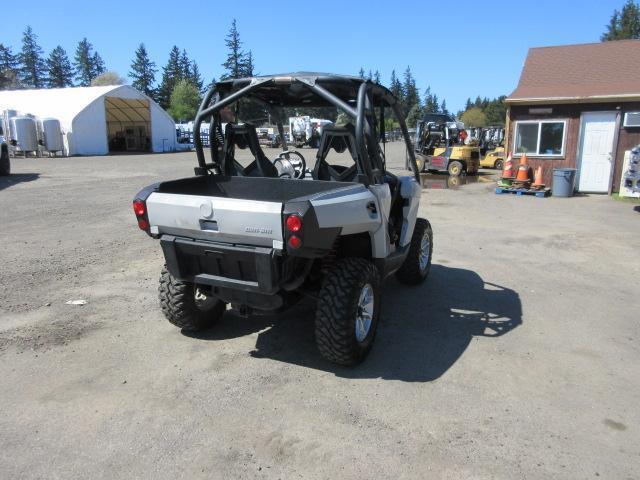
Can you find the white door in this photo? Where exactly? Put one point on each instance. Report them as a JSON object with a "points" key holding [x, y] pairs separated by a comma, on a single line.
{"points": [[596, 151]]}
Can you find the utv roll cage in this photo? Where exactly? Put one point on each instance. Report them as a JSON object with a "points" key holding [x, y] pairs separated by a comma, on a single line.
{"points": [[358, 98]]}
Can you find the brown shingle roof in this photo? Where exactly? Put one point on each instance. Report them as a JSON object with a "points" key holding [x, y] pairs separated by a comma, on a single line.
{"points": [[609, 69]]}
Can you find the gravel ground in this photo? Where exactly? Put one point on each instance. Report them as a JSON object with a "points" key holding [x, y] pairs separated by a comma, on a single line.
{"points": [[518, 358]]}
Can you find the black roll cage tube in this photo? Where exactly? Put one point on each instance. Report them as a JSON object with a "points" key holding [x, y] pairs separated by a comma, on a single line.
{"points": [[364, 126]]}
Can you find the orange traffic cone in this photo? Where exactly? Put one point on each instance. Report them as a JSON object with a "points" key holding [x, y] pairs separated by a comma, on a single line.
{"points": [[507, 172], [537, 179], [523, 170], [523, 159]]}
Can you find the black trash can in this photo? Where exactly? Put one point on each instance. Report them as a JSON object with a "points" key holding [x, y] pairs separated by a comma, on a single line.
{"points": [[564, 180]]}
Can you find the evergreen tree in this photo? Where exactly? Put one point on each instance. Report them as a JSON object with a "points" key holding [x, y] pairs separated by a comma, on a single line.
{"points": [[194, 76], [428, 101], [411, 96], [235, 63], [87, 63], [97, 65], [468, 105], [395, 86], [361, 73], [143, 72], [32, 66], [443, 107], [8, 69], [369, 75], [171, 73], [436, 104], [247, 67], [376, 77], [59, 67], [624, 24], [185, 65]]}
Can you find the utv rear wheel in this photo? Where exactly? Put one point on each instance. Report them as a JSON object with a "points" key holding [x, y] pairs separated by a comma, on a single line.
{"points": [[5, 165], [348, 311], [455, 168], [186, 305], [416, 266]]}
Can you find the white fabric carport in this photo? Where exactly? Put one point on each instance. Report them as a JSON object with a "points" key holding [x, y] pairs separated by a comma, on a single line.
{"points": [[84, 113]]}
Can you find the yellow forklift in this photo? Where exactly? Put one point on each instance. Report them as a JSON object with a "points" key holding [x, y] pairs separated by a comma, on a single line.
{"points": [[440, 146], [492, 147], [493, 159]]}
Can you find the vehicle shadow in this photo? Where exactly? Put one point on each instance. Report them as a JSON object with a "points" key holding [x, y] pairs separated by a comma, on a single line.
{"points": [[16, 178], [424, 330]]}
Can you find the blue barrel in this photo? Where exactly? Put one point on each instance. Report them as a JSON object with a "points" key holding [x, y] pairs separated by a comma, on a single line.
{"points": [[564, 180]]}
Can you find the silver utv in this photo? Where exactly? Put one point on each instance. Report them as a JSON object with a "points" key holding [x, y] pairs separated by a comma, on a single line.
{"points": [[264, 236]]}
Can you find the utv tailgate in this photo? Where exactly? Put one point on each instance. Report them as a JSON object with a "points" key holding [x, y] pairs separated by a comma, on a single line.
{"points": [[236, 210], [227, 220]]}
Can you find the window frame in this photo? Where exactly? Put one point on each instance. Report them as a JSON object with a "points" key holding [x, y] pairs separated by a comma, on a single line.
{"points": [[540, 122]]}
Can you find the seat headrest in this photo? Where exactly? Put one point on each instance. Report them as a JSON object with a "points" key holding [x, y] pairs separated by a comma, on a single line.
{"points": [[241, 134], [337, 137]]}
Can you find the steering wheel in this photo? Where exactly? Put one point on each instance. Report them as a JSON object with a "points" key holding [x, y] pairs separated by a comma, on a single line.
{"points": [[293, 167]]}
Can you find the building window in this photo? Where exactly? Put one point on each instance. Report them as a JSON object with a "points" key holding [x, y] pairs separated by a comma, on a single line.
{"points": [[540, 138]]}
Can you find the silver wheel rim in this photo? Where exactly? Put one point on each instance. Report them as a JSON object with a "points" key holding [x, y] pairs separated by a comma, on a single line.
{"points": [[425, 247], [364, 316]]}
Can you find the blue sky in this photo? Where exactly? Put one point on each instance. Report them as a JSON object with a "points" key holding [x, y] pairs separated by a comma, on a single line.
{"points": [[462, 49]]}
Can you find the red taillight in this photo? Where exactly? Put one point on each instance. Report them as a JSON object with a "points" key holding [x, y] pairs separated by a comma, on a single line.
{"points": [[294, 223], [139, 208], [295, 242], [143, 224]]}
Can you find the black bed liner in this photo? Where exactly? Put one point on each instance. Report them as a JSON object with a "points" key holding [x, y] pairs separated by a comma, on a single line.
{"points": [[250, 188]]}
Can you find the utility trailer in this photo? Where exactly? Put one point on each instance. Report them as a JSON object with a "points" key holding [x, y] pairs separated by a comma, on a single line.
{"points": [[262, 237]]}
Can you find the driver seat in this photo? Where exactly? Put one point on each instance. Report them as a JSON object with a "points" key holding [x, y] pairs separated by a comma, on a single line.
{"points": [[245, 136]]}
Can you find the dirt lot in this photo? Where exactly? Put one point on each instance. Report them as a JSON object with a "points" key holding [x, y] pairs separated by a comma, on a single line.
{"points": [[518, 358]]}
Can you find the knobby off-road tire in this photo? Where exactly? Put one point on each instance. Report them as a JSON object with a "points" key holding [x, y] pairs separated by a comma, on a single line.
{"points": [[416, 266], [5, 164], [341, 305], [181, 307]]}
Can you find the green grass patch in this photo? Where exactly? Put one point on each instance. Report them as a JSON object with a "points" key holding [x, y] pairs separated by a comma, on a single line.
{"points": [[616, 196]]}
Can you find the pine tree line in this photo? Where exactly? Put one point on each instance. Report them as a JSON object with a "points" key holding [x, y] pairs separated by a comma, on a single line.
{"points": [[485, 111], [30, 69]]}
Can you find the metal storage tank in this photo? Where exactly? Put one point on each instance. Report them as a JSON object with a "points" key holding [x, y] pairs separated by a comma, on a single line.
{"points": [[52, 134], [7, 126], [24, 129]]}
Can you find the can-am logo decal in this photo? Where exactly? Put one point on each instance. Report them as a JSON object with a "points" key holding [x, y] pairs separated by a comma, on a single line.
{"points": [[267, 231]]}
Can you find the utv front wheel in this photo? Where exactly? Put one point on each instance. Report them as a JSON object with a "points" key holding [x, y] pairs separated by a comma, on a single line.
{"points": [[416, 266], [348, 311], [186, 305]]}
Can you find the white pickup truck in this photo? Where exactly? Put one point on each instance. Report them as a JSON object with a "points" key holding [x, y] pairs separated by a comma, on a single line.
{"points": [[264, 236]]}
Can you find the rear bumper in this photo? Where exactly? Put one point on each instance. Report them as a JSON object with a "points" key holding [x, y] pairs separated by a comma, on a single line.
{"points": [[240, 268]]}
